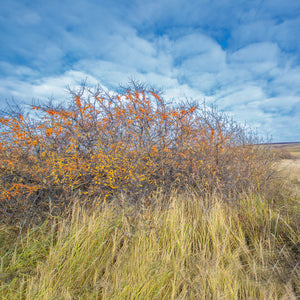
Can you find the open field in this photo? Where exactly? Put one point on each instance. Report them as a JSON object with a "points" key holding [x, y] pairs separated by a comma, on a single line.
{"points": [[290, 168], [292, 148], [290, 164]]}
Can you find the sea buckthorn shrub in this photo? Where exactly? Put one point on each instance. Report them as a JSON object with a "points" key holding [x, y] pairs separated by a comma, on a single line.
{"points": [[101, 145]]}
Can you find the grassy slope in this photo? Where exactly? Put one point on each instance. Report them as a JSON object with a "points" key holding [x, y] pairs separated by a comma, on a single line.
{"points": [[191, 250]]}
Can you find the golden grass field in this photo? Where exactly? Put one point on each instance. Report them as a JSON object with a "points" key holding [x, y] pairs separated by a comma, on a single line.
{"points": [[292, 148], [289, 166]]}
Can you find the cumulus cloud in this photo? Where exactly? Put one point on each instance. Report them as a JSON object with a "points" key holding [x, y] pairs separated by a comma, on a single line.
{"points": [[42, 89]]}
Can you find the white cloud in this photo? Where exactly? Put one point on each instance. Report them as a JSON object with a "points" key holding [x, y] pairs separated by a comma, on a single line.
{"points": [[287, 82], [281, 105], [200, 46], [42, 89], [256, 53], [234, 97]]}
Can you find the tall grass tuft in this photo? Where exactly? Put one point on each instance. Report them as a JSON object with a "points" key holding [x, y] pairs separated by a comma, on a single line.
{"points": [[188, 250]]}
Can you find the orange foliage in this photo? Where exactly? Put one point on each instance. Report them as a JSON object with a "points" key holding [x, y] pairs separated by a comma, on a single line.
{"points": [[132, 144]]}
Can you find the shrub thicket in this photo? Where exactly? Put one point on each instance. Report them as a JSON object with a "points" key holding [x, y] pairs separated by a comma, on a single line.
{"points": [[101, 145]]}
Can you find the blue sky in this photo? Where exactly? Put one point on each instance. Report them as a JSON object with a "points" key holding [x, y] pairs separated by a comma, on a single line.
{"points": [[243, 56]]}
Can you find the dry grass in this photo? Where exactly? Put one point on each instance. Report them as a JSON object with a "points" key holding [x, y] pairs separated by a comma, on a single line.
{"points": [[292, 149], [189, 250], [290, 168], [289, 165]]}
